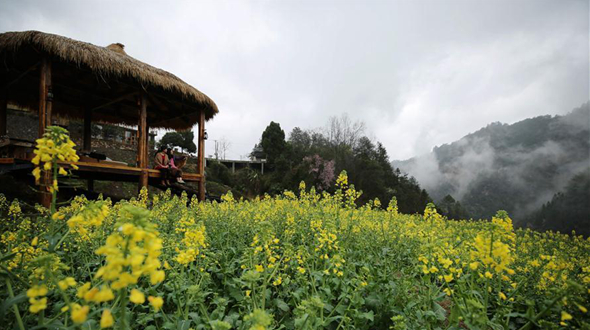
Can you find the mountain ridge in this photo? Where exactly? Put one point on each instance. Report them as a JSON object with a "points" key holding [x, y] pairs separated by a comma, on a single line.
{"points": [[517, 167]]}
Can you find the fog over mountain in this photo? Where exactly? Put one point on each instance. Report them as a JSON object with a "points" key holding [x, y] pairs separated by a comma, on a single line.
{"points": [[516, 167]]}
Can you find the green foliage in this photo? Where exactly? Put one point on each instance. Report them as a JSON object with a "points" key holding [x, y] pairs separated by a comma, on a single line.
{"points": [[452, 208], [293, 261], [183, 140], [568, 210], [273, 143], [344, 146], [217, 172]]}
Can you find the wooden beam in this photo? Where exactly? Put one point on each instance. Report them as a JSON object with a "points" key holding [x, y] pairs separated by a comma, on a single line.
{"points": [[116, 100], [201, 156], [20, 76], [3, 112], [131, 84], [160, 104], [141, 141]]}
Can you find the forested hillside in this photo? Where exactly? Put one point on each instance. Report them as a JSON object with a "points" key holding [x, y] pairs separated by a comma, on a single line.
{"points": [[567, 210], [315, 156], [516, 167]]}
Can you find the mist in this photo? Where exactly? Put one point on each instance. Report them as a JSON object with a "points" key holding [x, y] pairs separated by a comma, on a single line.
{"points": [[516, 167]]}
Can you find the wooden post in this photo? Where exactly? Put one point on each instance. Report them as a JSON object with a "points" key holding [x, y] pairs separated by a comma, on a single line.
{"points": [[201, 156], [3, 112], [147, 145], [44, 115], [42, 96], [49, 95], [141, 141]]}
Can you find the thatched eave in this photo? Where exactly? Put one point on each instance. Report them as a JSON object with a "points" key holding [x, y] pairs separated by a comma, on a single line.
{"points": [[86, 76]]}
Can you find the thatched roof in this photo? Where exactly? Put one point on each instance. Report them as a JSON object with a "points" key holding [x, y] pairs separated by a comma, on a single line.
{"points": [[85, 76]]}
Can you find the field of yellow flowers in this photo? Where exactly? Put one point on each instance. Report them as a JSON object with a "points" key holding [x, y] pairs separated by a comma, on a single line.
{"points": [[294, 261]]}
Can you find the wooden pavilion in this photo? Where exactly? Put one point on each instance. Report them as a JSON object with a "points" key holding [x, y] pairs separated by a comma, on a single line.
{"points": [[61, 77]]}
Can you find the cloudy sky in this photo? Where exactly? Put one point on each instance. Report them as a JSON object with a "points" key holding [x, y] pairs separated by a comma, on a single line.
{"points": [[418, 73]]}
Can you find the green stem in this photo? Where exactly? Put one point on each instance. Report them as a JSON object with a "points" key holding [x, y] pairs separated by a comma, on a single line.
{"points": [[53, 191], [11, 274], [123, 309], [530, 323], [19, 320]]}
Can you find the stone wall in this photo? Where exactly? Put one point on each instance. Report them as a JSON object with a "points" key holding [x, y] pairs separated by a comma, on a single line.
{"points": [[25, 125], [22, 125]]}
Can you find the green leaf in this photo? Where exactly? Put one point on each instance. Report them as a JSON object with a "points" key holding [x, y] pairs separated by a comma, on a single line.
{"points": [[441, 313], [368, 315], [11, 301], [282, 305], [300, 321], [7, 257]]}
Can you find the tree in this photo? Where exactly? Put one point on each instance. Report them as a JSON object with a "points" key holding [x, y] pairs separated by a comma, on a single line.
{"points": [[452, 208], [568, 210], [222, 147], [257, 152], [321, 171], [342, 131], [183, 140], [273, 143]]}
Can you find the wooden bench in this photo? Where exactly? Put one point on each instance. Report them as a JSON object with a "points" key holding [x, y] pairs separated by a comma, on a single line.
{"points": [[109, 170]]}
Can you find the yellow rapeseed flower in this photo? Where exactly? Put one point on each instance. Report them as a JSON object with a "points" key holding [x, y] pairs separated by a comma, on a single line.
{"points": [[36, 291], [137, 297], [106, 320], [79, 313], [82, 290], [156, 302], [157, 277], [37, 305], [66, 283]]}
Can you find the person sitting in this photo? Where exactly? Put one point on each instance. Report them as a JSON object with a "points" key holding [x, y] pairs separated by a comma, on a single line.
{"points": [[162, 163], [175, 171]]}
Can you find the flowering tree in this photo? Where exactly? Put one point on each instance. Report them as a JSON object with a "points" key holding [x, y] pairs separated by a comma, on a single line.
{"points": [[321, 170]]}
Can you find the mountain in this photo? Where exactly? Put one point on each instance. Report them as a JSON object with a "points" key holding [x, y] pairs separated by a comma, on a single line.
{"points": [[516, 167], [568, 210]]}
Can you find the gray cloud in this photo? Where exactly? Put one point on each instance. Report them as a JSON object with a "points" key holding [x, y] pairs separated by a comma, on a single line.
{"points": [[518, 166], [419, 73]]}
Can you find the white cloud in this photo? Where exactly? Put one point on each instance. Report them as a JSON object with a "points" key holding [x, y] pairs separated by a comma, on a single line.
{"points": [[419, 73]]}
